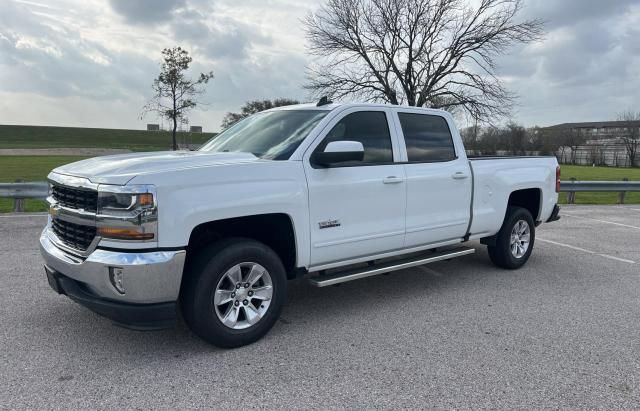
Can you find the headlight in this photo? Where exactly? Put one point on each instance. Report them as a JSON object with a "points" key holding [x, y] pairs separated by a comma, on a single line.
{"points": [[127, 212], [124, 202]]}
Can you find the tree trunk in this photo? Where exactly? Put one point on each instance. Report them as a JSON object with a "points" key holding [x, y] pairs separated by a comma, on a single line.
{"points": [[175, 126]]}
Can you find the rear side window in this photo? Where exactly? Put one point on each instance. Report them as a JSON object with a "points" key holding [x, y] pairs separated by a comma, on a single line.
{"points": [[368, 127], [427, 137]]}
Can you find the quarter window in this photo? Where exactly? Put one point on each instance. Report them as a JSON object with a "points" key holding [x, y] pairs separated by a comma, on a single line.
{"points": [[427, 137], [368, 127]]}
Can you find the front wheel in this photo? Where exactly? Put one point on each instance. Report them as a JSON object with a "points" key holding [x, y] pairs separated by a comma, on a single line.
{"points": [[234, 292], [514, 241]]}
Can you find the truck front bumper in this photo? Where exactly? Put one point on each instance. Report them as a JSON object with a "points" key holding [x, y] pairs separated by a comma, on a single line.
{"points": [[151, 282]]}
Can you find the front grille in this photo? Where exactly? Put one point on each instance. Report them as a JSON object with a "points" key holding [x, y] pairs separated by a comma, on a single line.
{"points": [[77, 198], [74, 235]]}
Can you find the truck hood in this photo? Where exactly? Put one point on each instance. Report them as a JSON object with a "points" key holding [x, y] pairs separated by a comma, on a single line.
{"points": [[119, 169]]}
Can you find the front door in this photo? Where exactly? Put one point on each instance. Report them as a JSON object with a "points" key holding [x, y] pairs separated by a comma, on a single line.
{"points": [[357, 209]]}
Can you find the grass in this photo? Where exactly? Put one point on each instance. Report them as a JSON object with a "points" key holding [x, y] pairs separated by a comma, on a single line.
{"points": [[599, 173], [29, 168], [586, 173], [74, 137]]}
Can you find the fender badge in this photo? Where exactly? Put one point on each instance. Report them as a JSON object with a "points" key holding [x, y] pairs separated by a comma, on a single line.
{"points": [[329, 224]]}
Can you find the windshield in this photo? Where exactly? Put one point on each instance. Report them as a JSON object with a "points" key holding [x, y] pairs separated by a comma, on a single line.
{"points": [[273, 135]]}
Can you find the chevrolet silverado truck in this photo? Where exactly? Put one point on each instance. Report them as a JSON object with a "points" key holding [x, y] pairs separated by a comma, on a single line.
{"points": [[332, 192]]}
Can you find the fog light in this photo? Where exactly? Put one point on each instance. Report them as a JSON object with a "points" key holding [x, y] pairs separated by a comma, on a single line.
{"points": [[116, 275]]}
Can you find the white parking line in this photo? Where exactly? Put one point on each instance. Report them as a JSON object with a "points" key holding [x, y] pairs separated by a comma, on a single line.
{"points": [[624, 260], [601, 221]]}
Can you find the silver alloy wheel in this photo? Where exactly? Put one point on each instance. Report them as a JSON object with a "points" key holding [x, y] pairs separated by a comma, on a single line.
{"points": [[520, 238], [243, 295]]}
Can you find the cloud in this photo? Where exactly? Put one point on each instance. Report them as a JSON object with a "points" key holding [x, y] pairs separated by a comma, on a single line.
{"points": [[57, 61], [584, 68], [87, 57], [568, 12], [92, 62], [146, 11], [216, 37]]}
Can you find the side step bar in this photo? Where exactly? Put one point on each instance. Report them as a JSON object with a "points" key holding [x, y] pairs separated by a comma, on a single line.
{"points": [[356, 274]]}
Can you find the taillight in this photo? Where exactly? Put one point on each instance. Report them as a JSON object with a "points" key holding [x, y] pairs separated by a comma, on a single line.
{"points": [[558, 179]]}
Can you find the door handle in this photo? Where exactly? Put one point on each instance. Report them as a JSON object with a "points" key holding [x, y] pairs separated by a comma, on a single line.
{"points": [[459, 175], [392, 180]]}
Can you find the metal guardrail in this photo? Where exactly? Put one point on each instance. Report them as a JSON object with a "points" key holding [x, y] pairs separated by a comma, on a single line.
{"points": [[40, 190], [573, 186], [599, 186], [21, 191], [37, 189]]}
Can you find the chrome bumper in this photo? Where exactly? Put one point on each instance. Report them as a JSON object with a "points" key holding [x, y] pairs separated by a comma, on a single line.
{"points": [[148, 277]]}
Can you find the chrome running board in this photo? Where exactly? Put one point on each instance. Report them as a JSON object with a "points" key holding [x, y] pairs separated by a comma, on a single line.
{"points": [[356, 274]]}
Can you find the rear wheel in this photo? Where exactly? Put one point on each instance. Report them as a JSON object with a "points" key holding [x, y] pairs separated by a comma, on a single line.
{"points": [[514, 241], [234, 292]]}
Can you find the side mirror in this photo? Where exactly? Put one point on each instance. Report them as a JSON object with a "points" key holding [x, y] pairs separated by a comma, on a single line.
{"points": [[339, 152]]}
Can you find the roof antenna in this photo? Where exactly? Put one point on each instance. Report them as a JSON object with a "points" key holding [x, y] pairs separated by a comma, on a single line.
{"points": [[324, 101]]}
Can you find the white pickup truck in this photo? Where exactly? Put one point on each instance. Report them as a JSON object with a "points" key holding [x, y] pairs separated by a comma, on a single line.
{"points": [[334, 192]]}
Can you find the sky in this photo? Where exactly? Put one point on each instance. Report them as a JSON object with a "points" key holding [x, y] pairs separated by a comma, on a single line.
{"points": [[90, 63]]}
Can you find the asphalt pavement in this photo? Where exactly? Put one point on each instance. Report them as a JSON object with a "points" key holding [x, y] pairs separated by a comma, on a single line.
{"points": [[562, 332]]}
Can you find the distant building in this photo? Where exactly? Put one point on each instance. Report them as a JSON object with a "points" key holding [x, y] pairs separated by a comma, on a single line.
{"points": [[195, 129], [603, 142], [153, 127], [598, 130]]}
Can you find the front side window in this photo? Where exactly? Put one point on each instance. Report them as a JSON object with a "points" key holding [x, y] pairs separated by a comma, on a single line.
{"points": [[272, 135], [427, 137], [369, 128]]}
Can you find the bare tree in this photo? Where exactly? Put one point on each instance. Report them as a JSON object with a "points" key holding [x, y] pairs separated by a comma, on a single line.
{"points": [[490, 141], [631, 138], [596, 154], [563, 154], [255, 106], [550, 145], [434, 53], [470, 139], [569, 139], [174, 94], [514, 138]]}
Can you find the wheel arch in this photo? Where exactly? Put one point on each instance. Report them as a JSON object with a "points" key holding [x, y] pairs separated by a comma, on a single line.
{"points": [[529, 199], [276, 230]]}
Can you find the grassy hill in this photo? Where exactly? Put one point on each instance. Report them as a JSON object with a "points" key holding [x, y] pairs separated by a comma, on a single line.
{"points": [[75, 137]]}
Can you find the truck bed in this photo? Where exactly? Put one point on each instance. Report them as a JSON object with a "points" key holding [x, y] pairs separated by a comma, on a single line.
{"points": [[504, 157], [494, 178]]}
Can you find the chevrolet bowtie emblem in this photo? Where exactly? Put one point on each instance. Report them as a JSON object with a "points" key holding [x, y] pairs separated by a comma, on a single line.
{"points": [[53, 211]]}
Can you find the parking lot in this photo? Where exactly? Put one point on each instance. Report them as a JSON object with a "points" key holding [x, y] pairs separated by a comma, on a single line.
{"points": [[564, 331]]}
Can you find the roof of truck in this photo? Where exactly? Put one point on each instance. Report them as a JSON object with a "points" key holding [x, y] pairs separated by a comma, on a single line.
{"points": [[333, 106]]}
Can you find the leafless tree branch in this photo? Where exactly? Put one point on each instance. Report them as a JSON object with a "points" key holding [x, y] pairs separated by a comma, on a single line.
{"points": [[435, 53]]}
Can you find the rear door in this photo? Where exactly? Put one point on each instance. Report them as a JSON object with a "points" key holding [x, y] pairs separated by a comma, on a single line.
{"points": [[357, 209], [438, 179]]}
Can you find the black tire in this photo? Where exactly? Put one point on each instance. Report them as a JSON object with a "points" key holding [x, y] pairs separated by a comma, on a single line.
{"points": [[203, 276], [500, 253]]}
